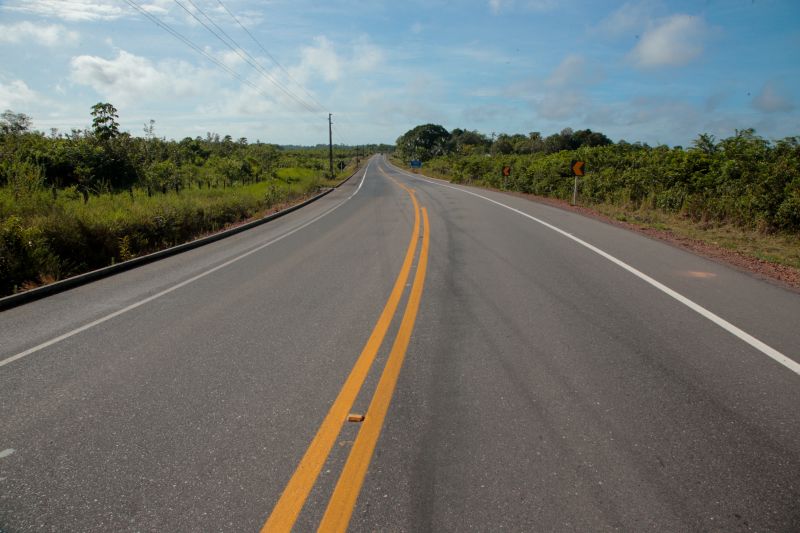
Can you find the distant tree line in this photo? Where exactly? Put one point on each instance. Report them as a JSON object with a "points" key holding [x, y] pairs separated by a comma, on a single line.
{"points": [[104, 159], [431, 140], [743, 179], [72, 202]]}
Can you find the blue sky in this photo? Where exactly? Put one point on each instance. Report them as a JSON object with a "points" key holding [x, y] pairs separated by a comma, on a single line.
{"points": [[653, 71]]}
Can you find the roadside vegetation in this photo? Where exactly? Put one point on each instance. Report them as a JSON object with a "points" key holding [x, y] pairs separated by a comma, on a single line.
{"points": [[741, 192], [73, 202]]}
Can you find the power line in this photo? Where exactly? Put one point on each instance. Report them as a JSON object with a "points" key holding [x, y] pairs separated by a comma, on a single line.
{"points": [[175, 33], [269, 55], [345, 122], [254, 62], [192, 45], [260, 67], [343, 139], [277, 63], [205, 54], [238, 51]]}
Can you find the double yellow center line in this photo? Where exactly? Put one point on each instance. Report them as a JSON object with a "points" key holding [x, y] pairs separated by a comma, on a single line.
{"points": [[342, 502]]}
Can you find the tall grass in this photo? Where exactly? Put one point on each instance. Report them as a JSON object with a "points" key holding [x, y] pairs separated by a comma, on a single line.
{"points": [[46, 235]]}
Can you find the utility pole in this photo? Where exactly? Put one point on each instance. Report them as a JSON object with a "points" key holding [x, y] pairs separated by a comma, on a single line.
{"points": [[330, 143]]}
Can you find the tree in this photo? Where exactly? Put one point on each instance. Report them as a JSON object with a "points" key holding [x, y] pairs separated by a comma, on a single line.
{"points": [[105, 123], [705, 142], [535, 142], [557, 142], [14, 123], [503, 144], [161, 176], [589, 138], [572, 140], [424, 142], [149, 130], [149, 137], [465, 141]]}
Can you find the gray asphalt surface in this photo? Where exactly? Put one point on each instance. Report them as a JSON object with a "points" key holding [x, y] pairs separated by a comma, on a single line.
{"points": [[545, 388]]}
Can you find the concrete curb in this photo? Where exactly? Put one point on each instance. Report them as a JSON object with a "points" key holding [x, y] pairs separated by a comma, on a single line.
{"points": [[15, 300]]}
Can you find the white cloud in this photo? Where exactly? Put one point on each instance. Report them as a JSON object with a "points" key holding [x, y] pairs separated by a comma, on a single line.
{"points": [[563, 94], [540, 5], [130, 78], [73, 10], [318, 60], [322, 61], [675, 41], [487, 113], [366, 56], [91, 10], [772, 99], [229, 58], [496, 6], [477, 52], [561, 105], [663, 41], [158, 7], [16, 94], [629, 19], [570, 71], [243, 102], [46, 34]]}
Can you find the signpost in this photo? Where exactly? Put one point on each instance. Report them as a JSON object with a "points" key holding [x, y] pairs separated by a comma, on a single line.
{"points": [[416, 163], [577, 170], [506, 174]]}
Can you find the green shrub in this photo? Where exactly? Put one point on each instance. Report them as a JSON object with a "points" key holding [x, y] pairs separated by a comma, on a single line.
{"points": [[24, 255], [744, 180]]}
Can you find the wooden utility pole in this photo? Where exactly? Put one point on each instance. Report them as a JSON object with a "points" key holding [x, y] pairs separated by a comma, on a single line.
{"points": [[330, 143]]}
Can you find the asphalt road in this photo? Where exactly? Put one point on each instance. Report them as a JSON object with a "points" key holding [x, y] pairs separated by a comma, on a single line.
{"points": [[519, 367]]}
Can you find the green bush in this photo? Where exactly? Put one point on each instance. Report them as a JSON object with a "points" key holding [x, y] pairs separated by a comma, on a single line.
{"points": [[24, 255], [44, 238], [744, 179]]}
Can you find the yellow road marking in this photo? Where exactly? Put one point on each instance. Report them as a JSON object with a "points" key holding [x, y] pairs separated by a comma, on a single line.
{"points": [[340, 508], [696, 274], [294, 496], [409, 189]]}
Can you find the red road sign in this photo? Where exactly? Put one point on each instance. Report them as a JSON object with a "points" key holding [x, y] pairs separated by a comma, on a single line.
{"points": [[577, 167], [506, 171]]}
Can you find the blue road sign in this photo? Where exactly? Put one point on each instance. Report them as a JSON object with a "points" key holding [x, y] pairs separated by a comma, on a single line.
{"points": [[416, 163]]}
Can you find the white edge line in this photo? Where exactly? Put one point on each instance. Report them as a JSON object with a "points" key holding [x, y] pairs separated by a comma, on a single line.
{"points": [[140, 303], [721, 322]]}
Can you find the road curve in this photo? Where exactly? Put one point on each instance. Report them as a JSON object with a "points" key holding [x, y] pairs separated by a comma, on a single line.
{"points": [[519, 368]]}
